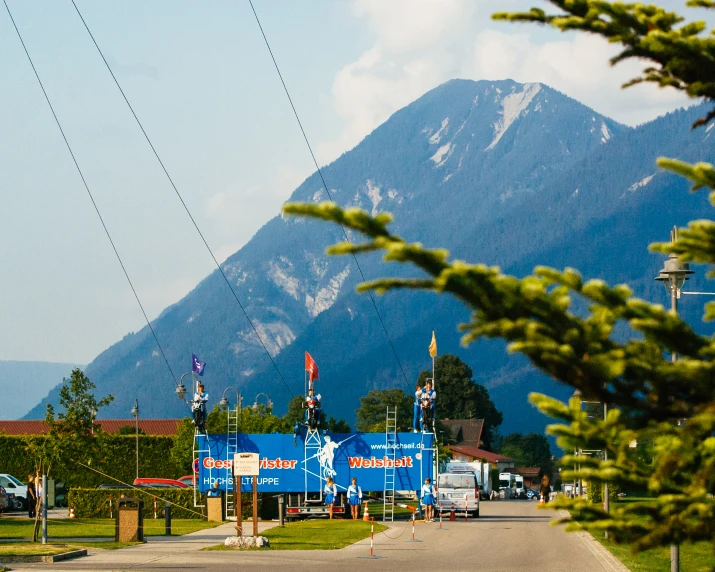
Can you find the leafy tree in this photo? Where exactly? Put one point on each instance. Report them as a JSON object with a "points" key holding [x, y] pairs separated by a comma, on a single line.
{"points": [[296, 413], [460, 397], [130, 430], [531, 450], [650, 397], [338, 426], [182, 451], [373, 408], [73, 433]]}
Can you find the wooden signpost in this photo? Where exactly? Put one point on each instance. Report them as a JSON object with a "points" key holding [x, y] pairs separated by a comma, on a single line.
{"points": [[245, 465]]}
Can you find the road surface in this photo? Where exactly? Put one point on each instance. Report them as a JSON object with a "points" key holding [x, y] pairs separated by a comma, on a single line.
{"points": [[510, 536]]}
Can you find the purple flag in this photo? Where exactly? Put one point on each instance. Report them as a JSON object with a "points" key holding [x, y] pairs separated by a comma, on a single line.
{"points": [[197, 365]]}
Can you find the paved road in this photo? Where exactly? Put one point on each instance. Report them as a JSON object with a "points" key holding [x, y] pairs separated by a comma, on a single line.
{"points": [[510, 536]]}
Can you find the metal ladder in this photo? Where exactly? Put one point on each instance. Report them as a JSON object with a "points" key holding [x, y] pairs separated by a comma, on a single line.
{"points": [[231, 450], [312, 447], [388, 493], [201, 445]]}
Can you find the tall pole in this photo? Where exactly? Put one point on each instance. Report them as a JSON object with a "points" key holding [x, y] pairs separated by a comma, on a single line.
{"points": [[674, 548], [606, 500], [136, 432]]}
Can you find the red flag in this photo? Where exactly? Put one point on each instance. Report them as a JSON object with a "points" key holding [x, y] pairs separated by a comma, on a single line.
{"points": [[311, 367]]}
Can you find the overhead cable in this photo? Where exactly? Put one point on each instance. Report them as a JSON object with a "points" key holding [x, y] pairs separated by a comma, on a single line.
{"points": [[86, 186], [325, 186], [186, 208]]}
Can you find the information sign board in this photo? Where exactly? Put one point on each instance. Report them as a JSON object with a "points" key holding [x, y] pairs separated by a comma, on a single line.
{"points": [[246, 464]]}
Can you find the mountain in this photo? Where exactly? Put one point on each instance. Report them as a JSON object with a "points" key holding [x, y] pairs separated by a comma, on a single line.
{"points": [[23, 383], [499, 172]]}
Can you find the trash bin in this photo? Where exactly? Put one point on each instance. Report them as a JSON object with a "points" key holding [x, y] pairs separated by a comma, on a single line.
{"points": [[130, 520], [216, 508]]}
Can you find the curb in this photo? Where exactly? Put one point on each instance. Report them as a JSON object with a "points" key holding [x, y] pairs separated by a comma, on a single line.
{"points": [[51, 558], [607, 560]]}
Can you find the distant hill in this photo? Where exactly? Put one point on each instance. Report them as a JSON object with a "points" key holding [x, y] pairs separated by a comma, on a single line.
{"points": [[499, 172], [24, 383]]}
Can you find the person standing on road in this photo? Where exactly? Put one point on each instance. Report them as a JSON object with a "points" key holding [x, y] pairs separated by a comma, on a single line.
{"points": [[31, 496], [545, 489], [331, 493], [354, 498], [427, 495]]}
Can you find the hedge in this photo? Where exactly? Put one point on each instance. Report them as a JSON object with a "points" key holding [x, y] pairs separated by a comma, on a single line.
{"points": [[118, 460], [94, 503]]}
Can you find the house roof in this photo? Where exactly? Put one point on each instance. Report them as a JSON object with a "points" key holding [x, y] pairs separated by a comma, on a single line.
{"points": [[149, 426], [528, 471], [480, 454], [466, 431]]}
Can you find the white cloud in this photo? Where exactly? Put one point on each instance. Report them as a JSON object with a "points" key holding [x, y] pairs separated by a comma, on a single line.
{"points": [[418, 45]]}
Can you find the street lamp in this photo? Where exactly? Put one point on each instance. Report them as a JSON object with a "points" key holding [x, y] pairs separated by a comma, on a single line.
{"points": [[181, 388], [255, 403], [223, 404], [135, 413], [673, 276]]}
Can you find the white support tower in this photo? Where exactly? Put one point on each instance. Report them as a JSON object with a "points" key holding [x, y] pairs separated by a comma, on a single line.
{"points": [[231, 450], [388, 493], [202, 449], [313, 446]]}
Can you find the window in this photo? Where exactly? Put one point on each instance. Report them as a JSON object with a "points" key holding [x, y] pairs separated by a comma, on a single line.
{"points": [[457, 482]]}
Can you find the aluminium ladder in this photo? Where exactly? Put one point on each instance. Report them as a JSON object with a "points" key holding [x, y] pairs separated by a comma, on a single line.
{"points": [[231, 450], [388, 493], [202, 449]]}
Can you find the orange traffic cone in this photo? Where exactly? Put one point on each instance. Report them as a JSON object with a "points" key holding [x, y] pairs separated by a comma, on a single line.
{"points": [[366, 514], [452, 516], [72, 510]]}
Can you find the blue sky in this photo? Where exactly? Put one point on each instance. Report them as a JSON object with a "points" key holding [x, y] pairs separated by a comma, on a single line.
{"points": [[201, 80]]}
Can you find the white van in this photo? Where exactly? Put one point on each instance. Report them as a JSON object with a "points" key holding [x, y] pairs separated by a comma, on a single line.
{"points": [[458, 492]]}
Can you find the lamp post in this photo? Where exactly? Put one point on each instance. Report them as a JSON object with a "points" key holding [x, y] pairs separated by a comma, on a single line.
{"points": [[673, 276], [223, 404], [135, 413], [268, 402], [606, 499]]}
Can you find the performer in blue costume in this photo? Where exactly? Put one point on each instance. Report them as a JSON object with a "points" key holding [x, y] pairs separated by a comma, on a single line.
{"points": [[354, 498], [427, 495], [331, 495]]}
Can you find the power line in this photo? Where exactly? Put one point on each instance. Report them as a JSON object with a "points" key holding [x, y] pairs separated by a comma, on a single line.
{"points": [[86, 186], [325, 186], [178, 194]]}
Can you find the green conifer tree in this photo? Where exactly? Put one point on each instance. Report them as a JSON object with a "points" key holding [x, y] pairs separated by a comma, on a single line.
{"points": [[651, 399]]}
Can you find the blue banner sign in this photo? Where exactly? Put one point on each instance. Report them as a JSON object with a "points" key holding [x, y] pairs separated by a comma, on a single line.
{"points": [[286, 467]]}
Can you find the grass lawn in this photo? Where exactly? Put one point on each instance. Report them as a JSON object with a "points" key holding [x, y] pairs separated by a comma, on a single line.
{"points": [[693, 557], [376, 509], [95, 528], [696, 557], [315, 535]]}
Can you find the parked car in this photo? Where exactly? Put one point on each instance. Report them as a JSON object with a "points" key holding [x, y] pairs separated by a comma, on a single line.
{"points": [[532, 494], [188, 480], [153, 482], [15, 487], [3, 500]]}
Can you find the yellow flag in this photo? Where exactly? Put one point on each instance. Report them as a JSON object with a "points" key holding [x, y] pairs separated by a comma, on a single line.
{"points": [[433, 346]]}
